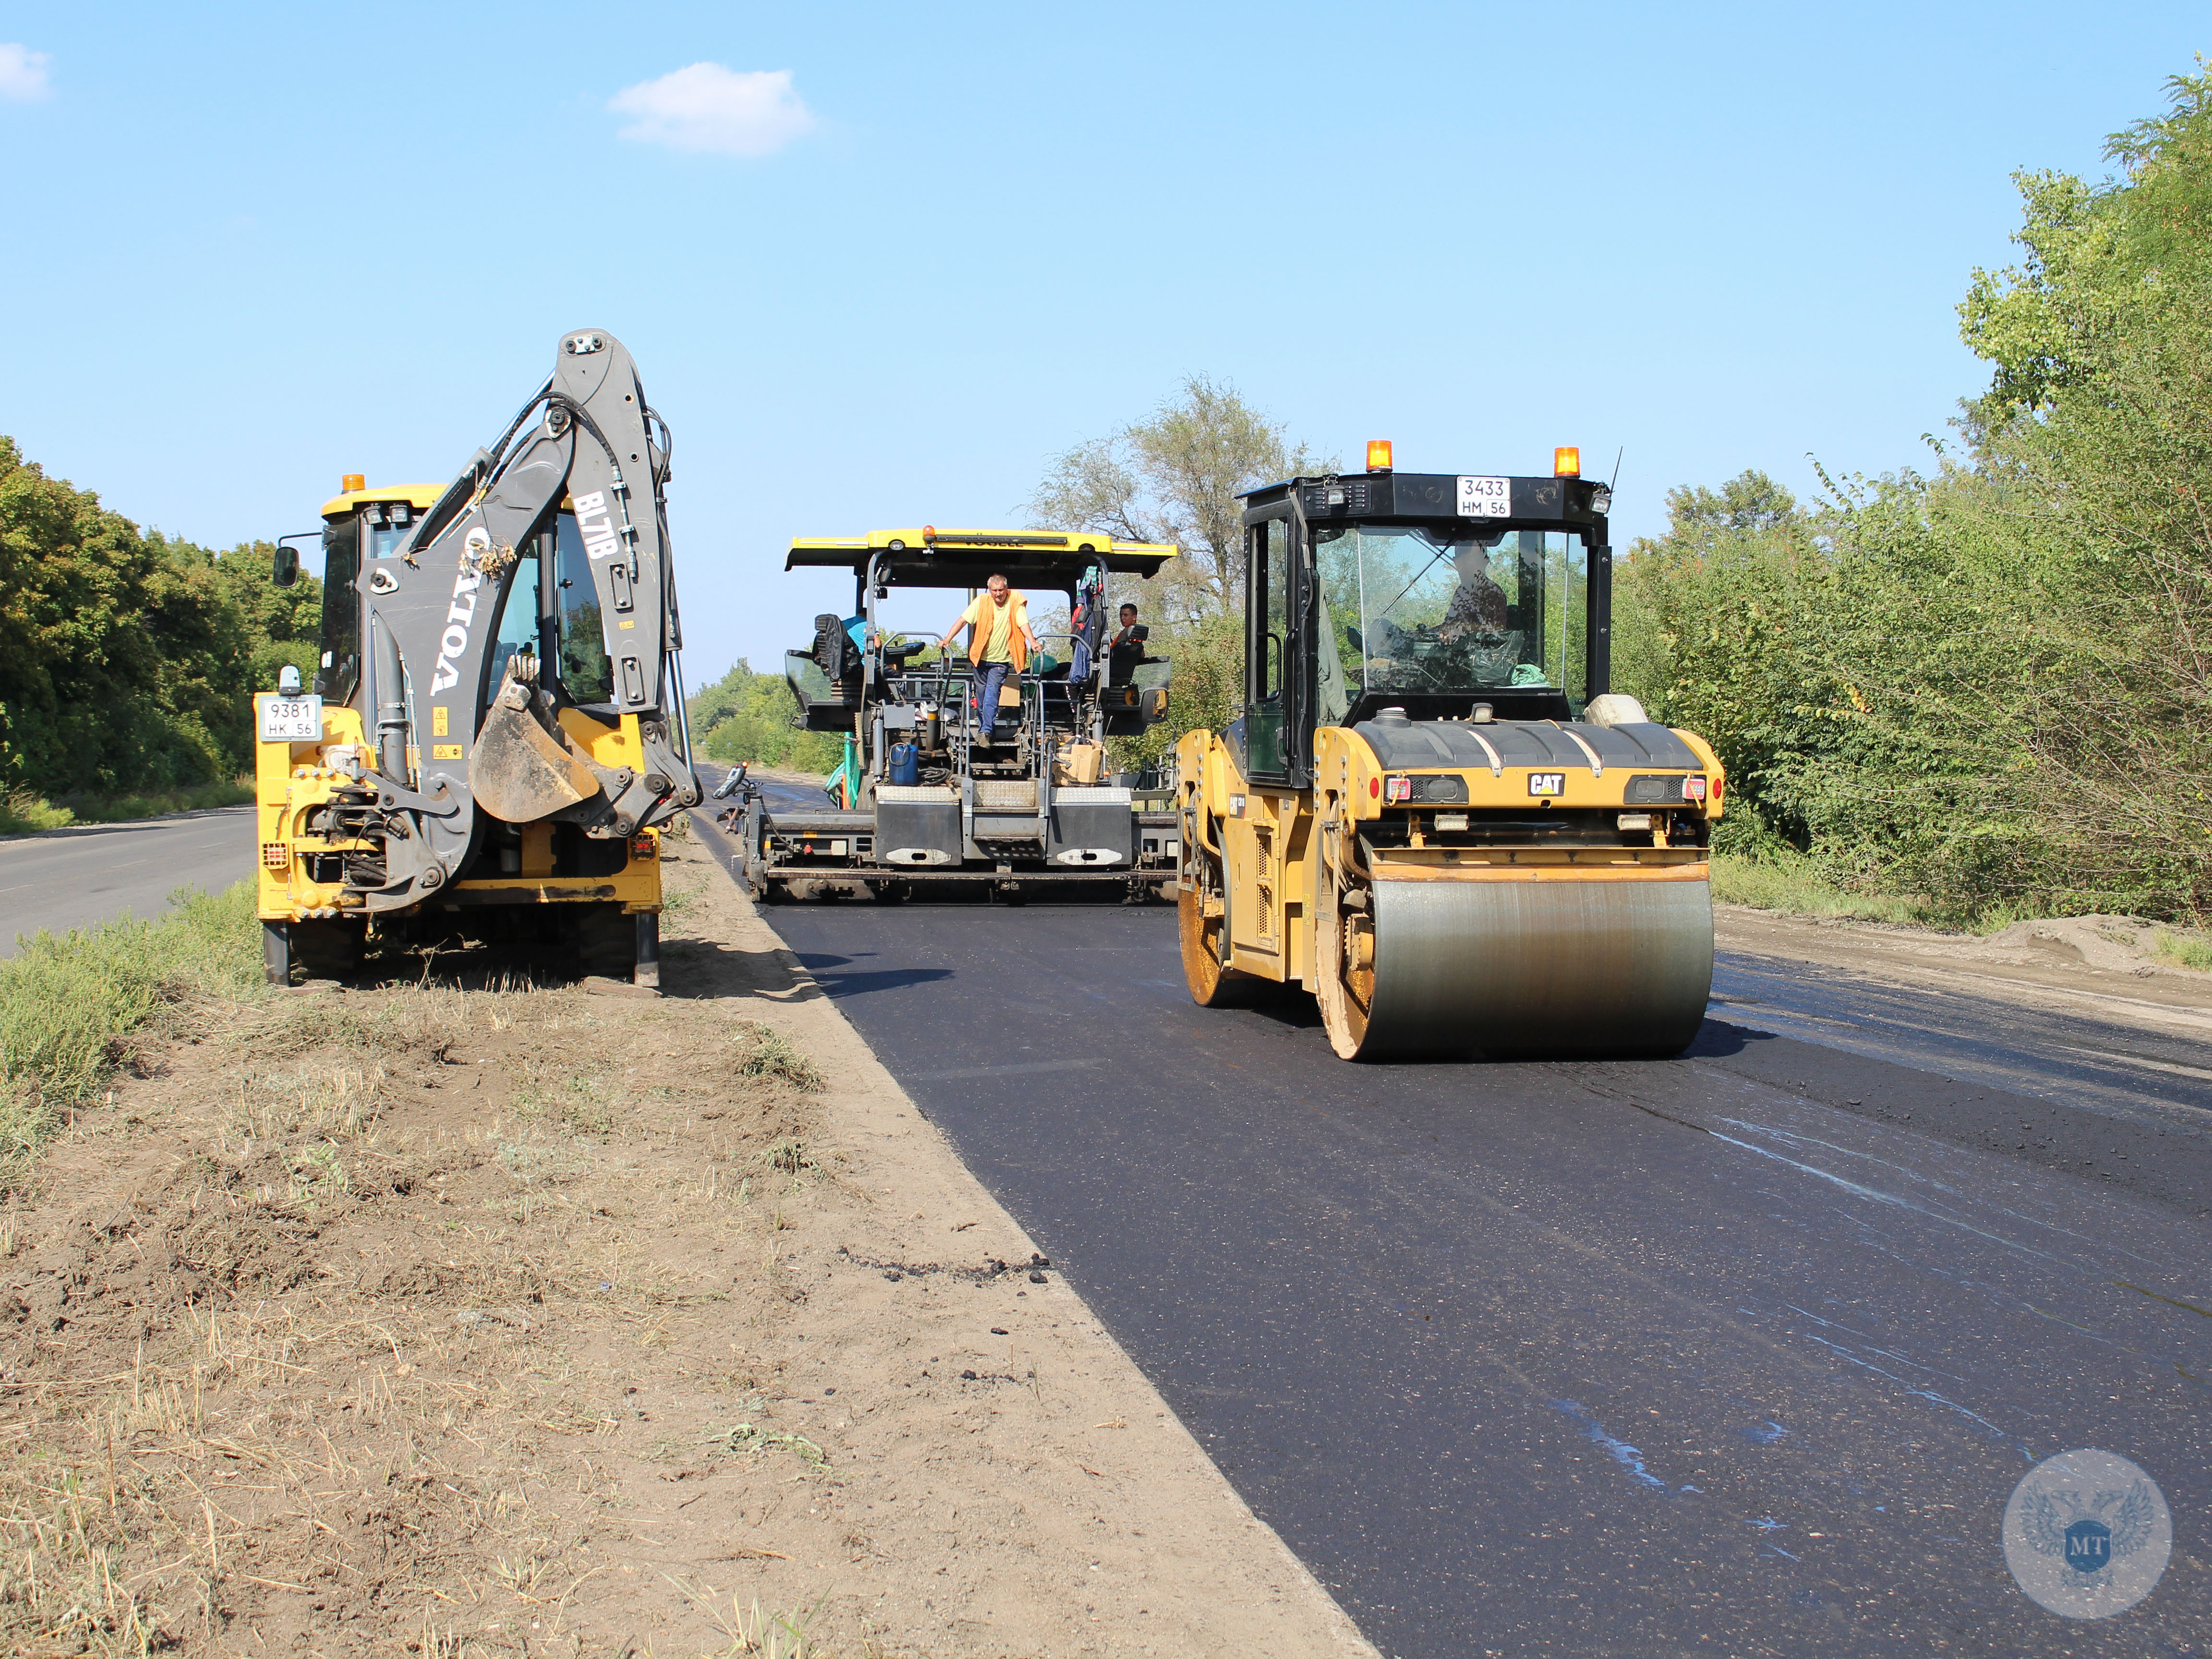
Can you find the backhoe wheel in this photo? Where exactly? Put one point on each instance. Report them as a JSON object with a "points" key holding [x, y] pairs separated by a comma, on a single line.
{"points": [[1202, 921], [1343, 953], [328, 949], [606, 941], [276, 953]]}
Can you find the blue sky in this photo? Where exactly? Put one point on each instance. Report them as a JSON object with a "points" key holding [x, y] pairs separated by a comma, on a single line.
{"points": [[253, 247]]}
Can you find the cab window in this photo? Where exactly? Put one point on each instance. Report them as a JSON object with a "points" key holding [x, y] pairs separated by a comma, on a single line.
{"points": [[585, 673], [341, 665], [518, 618]]}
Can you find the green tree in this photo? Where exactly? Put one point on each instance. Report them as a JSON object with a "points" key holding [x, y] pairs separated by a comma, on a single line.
{"points": [[1173, 478], [1990, 685], [127, 659], [2100, 258], [1715, 631], [745, 716]]}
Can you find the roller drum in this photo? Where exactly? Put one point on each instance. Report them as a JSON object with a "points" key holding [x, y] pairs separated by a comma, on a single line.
{"points": [[1549, 969]]}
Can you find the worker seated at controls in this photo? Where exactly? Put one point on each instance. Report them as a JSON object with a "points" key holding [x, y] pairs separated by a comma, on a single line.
{"points": [[1127, 648], [999, 646]]}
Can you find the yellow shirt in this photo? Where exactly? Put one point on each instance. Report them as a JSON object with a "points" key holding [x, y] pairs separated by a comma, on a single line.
{"points": [[998, 635]]}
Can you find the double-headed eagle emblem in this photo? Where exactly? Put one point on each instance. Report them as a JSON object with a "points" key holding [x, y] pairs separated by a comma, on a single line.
{"points": [[2089, 1536]]}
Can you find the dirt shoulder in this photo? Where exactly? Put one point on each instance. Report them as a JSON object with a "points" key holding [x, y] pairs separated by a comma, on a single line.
{"points": [[2100, 965], [548, 1321]]}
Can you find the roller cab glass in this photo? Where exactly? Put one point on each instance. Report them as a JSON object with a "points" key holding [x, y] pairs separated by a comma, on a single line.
{"points": [[1422, 609]]}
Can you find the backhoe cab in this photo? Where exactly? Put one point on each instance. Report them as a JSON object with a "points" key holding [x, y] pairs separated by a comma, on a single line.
{"points": [[495, 733], [1431, 813]]}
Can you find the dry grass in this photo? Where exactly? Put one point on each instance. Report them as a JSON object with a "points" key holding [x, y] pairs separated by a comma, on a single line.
{"points": [[305, 1363], [760, 1052]]}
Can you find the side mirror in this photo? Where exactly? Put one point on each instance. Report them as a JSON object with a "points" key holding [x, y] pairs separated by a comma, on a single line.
{"points": [[1155, 705], [285, 569]]}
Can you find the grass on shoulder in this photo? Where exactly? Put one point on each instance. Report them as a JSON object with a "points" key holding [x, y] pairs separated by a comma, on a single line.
{"points": [[1793, 886], [23, 813], [1796, 888], [2185, 950], [70, 1002]]}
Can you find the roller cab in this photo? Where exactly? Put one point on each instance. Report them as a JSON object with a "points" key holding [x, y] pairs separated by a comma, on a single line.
{"points": [[1433, 814]]}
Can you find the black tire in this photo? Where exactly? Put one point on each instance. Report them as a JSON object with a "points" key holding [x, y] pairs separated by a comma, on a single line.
{"points": [[328, 949], [1204, 939], [606, 941], [276, 953]]}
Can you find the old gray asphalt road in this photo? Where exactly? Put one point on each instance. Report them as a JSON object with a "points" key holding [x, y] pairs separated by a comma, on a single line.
{"points": [[74, 878], [1742, 1352]]}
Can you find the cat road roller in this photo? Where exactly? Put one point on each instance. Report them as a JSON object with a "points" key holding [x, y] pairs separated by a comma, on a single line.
{"points": [[1432, 814]]}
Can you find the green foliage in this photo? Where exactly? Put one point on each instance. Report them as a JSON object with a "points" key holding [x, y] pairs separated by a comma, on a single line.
{"points": [[1205, 692], [1787, 881], [68, 1004], [1719, 629], [1175, 478], [23, 813], [2185, 953], [128, 660], [744, 716], [1990, 687], [2099, 259]]}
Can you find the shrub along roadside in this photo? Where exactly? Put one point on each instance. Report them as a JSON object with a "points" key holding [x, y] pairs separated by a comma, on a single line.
{"points": [[1987, 687], [70, 1003]]}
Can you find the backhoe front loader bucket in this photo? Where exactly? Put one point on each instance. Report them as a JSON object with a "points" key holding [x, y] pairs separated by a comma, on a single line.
{"points": [[523, 772]]}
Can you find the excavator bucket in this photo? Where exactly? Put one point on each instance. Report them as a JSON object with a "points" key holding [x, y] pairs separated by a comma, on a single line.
{"points": [[521, 773]]}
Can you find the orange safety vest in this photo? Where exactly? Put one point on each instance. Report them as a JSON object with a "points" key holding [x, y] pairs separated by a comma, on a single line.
{"points": [[977, 619]]}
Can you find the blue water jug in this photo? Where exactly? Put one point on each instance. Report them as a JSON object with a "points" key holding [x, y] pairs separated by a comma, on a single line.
{"points": [[906, 765]]}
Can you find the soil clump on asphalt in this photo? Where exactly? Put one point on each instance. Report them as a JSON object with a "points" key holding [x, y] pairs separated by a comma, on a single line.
{"points": [[470, 1316]]}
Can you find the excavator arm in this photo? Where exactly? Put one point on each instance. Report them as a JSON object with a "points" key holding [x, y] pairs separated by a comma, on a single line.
{"points": [[449, 747]]}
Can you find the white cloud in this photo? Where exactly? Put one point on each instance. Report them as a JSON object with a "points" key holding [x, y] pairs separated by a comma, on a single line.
{"points": [[710, 106], [23, 72]]}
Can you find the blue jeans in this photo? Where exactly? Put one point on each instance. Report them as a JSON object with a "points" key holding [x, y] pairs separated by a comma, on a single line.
{"points": [[987, 682]]}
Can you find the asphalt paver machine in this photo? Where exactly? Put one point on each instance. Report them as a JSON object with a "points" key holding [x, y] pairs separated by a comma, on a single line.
{"points": [[496, 730], [1432, 813], [920, 799]]}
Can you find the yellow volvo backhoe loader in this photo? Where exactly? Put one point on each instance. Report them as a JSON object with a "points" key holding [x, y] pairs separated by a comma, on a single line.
{"points": [[496, 729], [1432, 814]]}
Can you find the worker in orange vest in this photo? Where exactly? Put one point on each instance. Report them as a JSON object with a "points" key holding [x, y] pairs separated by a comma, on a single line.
{"points": [[999, 645]]}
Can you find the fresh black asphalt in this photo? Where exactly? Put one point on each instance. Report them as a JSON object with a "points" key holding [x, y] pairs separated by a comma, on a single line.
{"points": [[1738, 1353]]}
